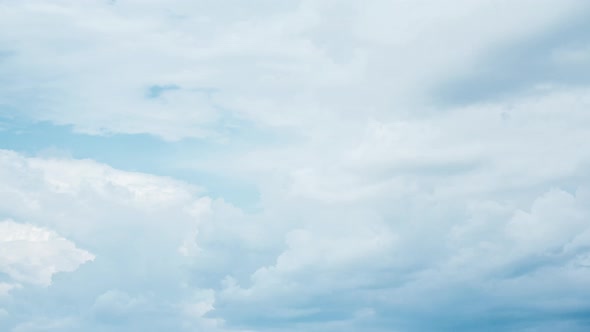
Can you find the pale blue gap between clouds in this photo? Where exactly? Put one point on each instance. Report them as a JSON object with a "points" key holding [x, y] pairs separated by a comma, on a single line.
{"points": [[143, 152], [133, 152]]}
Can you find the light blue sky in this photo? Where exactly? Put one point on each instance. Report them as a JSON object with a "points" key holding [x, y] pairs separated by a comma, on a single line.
{"points": [[135, 152], [282, 166]]}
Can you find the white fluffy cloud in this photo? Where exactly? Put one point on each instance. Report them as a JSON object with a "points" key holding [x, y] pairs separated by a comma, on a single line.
{"points": [[81, 197], [291, 262], [30, 254], [136, 225]]}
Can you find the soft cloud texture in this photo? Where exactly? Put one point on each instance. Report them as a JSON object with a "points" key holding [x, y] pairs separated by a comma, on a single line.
{"points": [[31, 254], [315, 61], [420, 166]]}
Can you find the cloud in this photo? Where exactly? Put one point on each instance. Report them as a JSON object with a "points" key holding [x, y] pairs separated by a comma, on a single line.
{"points": [[558, 56], [5, 288], [426, 167], [133, 223], [484, 150], [303, 262], [279, 65], [503, 257], [33, 255]]}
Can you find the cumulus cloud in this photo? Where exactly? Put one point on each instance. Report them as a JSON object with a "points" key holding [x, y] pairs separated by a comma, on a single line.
{"points": [[149, 234], [33, 255], [346, 267]]}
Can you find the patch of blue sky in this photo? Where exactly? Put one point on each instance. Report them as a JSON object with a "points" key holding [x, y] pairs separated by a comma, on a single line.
{"points": [[140, 153], [156, 91]]}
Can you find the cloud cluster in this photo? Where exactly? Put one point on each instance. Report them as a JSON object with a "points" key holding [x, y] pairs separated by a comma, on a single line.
{"points": [[31, 254], [414, 178], [315, 264], [299, 64]]}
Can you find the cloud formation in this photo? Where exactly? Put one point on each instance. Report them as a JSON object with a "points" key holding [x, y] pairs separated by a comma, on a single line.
{"points": [[419, 166], [33, 255]]}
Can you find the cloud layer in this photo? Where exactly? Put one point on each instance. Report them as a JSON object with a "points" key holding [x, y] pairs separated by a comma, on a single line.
{"points": [[32, 255], [418, 166]]}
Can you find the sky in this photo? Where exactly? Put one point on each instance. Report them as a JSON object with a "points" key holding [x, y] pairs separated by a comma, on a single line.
{"points": [[294, 165]]}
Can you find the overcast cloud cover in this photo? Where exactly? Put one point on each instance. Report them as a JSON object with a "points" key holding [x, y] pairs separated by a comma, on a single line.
{"points": [[294, 165]]}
